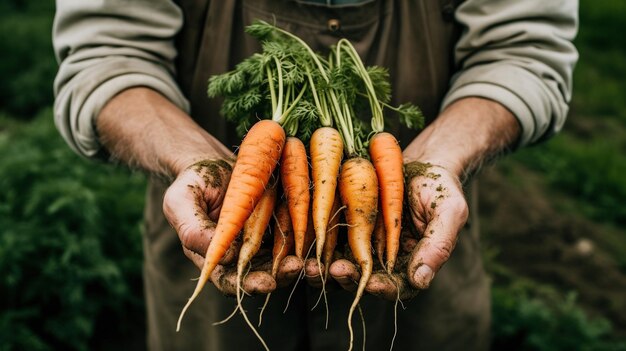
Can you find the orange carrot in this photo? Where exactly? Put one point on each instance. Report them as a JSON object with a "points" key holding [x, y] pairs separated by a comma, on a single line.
{"points": [[255, 227], [332, 235], [326, 148], [387, 159], [283, 237], [378, 238], [330, 243], [358, 187], [283, 244], [303, 253], [259, 153], [294, 174], [253, 231], [307, 240]]}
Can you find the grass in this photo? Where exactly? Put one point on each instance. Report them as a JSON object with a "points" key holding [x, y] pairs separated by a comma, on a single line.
{"points": [[70, 246]]}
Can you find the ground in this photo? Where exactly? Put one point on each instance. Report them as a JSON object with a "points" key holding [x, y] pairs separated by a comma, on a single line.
{"points": [[525, 225]]}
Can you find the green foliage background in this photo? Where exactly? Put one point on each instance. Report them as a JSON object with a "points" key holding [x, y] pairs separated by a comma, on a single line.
{"points": [[581, 176], [70, 247], [70, 230], [70, 242]]}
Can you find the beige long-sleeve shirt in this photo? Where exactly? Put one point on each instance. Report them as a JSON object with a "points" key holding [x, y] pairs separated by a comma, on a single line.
{"points": [[518, 53]]}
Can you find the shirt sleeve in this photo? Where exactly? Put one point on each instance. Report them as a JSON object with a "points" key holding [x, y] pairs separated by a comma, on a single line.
{"points": [[104, 47], [520, 54]]}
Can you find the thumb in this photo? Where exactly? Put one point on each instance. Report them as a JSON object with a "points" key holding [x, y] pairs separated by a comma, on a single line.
{"points": [[436, 245]]}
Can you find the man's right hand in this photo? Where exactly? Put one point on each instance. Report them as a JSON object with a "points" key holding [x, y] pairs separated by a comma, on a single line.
{"points": [[192, 205]]}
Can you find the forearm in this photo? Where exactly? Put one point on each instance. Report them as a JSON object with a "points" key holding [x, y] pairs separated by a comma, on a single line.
{"points": [[142, 128], [467, 133]]}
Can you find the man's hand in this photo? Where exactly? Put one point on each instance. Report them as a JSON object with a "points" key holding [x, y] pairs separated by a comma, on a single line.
{"points": [[438, 211], [192, 205]]}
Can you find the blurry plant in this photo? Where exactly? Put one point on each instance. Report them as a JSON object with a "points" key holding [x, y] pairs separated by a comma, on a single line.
{"points": [[599, 83], [597, 20], [27, 63], [530, 317], [591, 172], [70, 246]]}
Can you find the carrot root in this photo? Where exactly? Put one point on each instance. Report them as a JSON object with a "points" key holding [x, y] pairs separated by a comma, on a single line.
{"points": [[283, 237], [379, 239]]}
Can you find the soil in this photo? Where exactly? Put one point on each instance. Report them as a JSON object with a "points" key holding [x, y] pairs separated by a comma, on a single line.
{"points": [[535, 239]]}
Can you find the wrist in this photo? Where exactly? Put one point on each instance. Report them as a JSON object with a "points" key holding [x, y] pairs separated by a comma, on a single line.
{"points": [[466, 134], [145, 130], [448, 162], [429, 149], [185, 162]]}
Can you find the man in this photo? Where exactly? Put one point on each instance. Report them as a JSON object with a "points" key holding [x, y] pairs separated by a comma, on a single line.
{"points": [[490, 76]]}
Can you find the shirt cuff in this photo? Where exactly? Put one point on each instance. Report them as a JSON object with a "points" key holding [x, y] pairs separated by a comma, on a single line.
{"points": [[515, 88], [80, 102]]}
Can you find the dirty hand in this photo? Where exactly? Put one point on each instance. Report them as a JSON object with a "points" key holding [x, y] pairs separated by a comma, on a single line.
{"points": [[192, 205], [438, 210]]}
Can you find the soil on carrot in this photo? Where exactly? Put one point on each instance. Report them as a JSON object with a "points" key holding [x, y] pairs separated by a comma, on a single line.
{"points": [[535, 239]]}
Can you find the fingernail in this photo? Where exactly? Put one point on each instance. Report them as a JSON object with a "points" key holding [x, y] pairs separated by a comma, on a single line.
{"points": [[423, 275]]}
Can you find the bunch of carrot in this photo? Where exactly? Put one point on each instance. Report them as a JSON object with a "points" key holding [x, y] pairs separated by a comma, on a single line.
{"points": [[313, 101]]}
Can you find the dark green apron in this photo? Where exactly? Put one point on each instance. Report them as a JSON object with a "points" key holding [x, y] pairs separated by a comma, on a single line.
{"points": [[415, 40]]}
